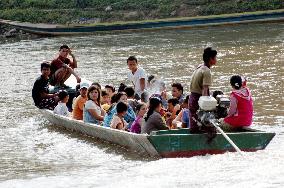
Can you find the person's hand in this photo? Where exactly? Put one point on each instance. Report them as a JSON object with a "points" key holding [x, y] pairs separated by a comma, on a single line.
{"points": [[164, 95], [56, 98], [78, 79], [55, 94], [70, 52], [168, 114], [177, 108]]}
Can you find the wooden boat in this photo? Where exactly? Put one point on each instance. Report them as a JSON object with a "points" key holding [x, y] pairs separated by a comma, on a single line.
{"points": [[186, 22], [170, 143]]}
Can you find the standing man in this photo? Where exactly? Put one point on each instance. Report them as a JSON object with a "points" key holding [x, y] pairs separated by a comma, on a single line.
{"points": [[199, 86], [40, 93], [62, 67], [136, 75]]}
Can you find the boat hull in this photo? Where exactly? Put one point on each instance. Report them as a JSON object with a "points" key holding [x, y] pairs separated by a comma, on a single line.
{"points": [[180, 144], [202, 21], [171, 143]]}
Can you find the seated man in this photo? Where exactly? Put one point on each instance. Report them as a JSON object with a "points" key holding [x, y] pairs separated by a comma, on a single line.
{"points": [[40, 92], [241, 107], [177, 92], [80, 102], [62, 67]]}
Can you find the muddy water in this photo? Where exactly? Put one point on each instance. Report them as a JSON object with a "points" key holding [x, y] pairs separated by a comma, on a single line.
{"points": [[34, 154]]}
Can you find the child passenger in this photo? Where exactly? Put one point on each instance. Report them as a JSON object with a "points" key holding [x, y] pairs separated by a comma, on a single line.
{"points": [[139, 121], [105, 101], [183, 115], [117, 121], [110, 90], [129, 116], [172, 111], [61, 108]]}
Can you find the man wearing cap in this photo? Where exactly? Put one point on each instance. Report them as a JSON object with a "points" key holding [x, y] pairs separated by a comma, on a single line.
{"points": [[62, 67], [80, 102], [199, 86]]}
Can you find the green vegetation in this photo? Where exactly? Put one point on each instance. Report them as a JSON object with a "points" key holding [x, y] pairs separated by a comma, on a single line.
{"points": [[78, 11]]}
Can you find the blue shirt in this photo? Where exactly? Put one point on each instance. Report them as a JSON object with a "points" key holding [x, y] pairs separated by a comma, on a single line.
{"points": [[185, 117], [129, 116]]}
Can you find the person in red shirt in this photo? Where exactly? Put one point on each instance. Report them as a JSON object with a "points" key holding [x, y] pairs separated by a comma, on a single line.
{"points": [[62, 67], [241, 106]]}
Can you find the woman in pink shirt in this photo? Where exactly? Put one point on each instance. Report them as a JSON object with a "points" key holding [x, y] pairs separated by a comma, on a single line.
{"points": [[241, 106]]}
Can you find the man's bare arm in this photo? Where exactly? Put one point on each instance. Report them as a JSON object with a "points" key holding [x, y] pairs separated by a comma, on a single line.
{"points": [[205, 90], [74, 64], [142, 84]]}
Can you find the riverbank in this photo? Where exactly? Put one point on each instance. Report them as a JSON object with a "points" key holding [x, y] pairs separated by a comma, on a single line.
{"points": [[83, 12]]}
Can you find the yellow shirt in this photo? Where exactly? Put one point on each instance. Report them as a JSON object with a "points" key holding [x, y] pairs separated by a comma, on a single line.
{"points": [[105, 107]]}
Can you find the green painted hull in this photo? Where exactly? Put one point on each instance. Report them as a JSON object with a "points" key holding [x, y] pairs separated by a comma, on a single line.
{"points": [[180, 143]]}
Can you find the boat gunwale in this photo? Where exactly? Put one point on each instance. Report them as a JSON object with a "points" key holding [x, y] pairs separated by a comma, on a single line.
{"points": [[141, 142]]}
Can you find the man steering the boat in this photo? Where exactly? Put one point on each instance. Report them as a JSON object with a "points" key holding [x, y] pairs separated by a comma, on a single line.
{"points": [[62, 67], [199, 86]]}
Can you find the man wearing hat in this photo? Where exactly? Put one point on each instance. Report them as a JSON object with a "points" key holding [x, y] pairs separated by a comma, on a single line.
{"points": [[62, 67], [80, 102]]}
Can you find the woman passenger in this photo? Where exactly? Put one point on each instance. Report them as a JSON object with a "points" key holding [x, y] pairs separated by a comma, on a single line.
{"points": [[241, 106], [154, 121], [92, 111]]}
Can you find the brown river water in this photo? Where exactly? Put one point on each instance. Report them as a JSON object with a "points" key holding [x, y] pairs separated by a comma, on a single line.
{"points": [[35, 154]]}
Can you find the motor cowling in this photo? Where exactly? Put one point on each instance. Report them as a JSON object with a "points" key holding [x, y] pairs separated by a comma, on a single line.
{"points": [[212, 109], [207, 107]]}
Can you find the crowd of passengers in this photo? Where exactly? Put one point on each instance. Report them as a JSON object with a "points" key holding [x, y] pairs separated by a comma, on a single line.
{"points": [[142, 107]]}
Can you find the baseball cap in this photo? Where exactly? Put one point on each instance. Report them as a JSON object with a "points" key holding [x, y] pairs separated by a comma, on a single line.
{"points": [[84, 85]]}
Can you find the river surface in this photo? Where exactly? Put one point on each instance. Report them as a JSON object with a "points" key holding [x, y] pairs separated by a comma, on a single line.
{"points": [[35, 154]]}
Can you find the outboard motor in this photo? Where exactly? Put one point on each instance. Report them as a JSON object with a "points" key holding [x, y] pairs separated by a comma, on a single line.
{"points": [[211, 109], [223, 104], [207, 108]]}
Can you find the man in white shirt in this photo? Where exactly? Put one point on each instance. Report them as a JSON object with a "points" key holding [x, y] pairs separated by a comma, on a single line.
{"points": [[137, 75]]}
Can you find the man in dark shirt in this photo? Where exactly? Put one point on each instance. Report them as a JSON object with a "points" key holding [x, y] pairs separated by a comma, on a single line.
{"points": [[62, 67], [40, 92]]}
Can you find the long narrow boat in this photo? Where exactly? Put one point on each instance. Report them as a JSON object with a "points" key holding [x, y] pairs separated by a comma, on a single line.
{"points": [[173, 23], [171, 143]]}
